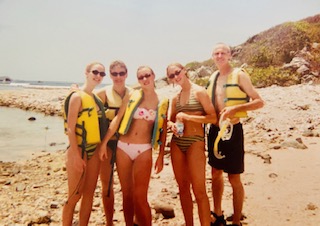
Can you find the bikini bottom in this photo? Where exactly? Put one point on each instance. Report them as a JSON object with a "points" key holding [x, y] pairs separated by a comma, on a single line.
{"points": [[133, 150], [185, 142]]}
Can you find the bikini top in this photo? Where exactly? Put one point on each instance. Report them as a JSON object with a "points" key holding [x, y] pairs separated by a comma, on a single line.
{"points": [[192, 105], [146, 114]]}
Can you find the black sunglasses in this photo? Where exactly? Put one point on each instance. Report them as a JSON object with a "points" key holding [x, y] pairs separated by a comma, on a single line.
{"points": [[122, 73], [171, 76], [96, 72], [144, 76]]}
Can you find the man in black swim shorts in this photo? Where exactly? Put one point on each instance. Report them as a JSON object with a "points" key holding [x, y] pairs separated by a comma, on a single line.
{"points": [[232, 95]]}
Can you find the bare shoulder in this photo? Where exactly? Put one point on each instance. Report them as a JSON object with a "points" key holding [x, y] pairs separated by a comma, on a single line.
{"points": [[100, 90], [129, 89], [101, 93], [199, 90], [244, 79], [75, 98]]}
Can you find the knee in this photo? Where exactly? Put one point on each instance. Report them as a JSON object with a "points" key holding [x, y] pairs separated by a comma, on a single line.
{"points": [[140, 201], [105, 188], [200, 194], [140, 194], [235, 180], [184, 187], [216, 175], [127, 196], [105, 194], [73, 200]]}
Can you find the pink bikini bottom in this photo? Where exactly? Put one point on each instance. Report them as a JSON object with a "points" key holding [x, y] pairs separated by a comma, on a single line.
{"points": [[133, 150]]}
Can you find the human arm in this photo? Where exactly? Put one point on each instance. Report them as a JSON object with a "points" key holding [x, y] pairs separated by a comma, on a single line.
{"points": [[163, 138], [210, 113], [75, 157], [172, 116], [113, 127]]}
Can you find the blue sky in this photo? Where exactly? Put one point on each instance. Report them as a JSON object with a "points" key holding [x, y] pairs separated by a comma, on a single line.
{"points": [[53, 40]]}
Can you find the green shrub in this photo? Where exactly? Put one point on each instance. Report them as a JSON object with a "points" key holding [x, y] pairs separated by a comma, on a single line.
{"points": [[202, 81], [263, 77]]}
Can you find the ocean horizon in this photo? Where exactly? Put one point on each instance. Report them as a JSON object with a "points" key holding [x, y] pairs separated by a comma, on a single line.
{"points": [[20, 84]]}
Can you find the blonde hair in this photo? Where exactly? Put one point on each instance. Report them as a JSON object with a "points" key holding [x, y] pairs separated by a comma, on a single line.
{"points": [[175, 64], [89, 66], [179, 66], [147, 67]]}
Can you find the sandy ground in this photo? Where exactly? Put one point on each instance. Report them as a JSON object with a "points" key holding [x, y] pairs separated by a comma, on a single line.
{"points": [[281, 179]]}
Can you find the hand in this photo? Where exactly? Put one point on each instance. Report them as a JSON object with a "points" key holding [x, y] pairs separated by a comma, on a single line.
{"points": [[158, 166], [75, 161], [227, 112], [174, 129], [181, 116], [103, 154]]}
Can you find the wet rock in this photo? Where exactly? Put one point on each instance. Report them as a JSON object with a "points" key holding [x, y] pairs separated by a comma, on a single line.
{"points": [[20, 187], [311, 206], [273, 175], [266, 158], [166, 211], [294, 143], [54, 205]]}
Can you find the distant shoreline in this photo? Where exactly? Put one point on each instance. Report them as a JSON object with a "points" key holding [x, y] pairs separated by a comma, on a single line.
{"points": [[40, 84]]}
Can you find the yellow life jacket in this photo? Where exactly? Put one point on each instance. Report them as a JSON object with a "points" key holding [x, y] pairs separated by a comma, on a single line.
{"points": [[88, 130], [234, 95], [161, 114], [113, 102], [159, 121]]}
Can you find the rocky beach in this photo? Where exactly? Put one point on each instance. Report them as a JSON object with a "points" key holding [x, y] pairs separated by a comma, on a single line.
{"points": [[281, 179]]}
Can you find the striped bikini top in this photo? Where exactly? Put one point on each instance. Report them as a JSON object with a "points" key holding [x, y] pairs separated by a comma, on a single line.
{"points": [[192, 105]]}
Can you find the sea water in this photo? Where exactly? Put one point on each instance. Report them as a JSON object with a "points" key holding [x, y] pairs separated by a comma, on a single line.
{"points": [[21, 138]]}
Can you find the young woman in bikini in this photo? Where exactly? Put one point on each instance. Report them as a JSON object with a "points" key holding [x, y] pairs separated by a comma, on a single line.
{"points": [[139, 113], [192, 107]]}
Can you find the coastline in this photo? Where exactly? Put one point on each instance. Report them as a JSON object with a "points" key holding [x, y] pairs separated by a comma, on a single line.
{"points": [[281, 180]]}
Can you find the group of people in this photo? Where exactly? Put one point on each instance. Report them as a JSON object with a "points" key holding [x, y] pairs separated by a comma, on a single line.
{"points": [[119, 125]]}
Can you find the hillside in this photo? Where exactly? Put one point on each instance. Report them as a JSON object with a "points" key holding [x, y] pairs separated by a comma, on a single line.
{"points": [[286, 54]]}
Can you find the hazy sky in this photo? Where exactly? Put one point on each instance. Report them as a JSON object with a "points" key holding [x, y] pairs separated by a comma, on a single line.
{"points": [[53, 40]]}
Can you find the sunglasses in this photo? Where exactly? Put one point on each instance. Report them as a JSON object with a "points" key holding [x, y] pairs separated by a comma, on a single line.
{"points": [[177, 73], [96, 72], [144, 76], [122, 73]]}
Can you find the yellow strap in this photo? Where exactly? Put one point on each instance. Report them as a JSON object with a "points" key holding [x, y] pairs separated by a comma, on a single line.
{"points": [[215, 146]]}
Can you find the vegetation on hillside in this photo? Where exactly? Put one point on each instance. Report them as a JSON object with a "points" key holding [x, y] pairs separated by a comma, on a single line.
{"points": [[269, 55]]}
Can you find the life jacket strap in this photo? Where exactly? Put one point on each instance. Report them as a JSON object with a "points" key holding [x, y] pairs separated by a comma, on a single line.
{"points": [[89, 110]]}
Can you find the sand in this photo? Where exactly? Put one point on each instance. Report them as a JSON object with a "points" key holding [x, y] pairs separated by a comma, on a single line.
{"points": [[281, 179]]}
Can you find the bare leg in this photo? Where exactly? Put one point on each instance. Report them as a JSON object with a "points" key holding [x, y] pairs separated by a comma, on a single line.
{"points": [[92, 173], [181, 172], [238, 196], [196, 161], [125, 169], [217, 190], [75, 187], [108, 202], [142, 171]]}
